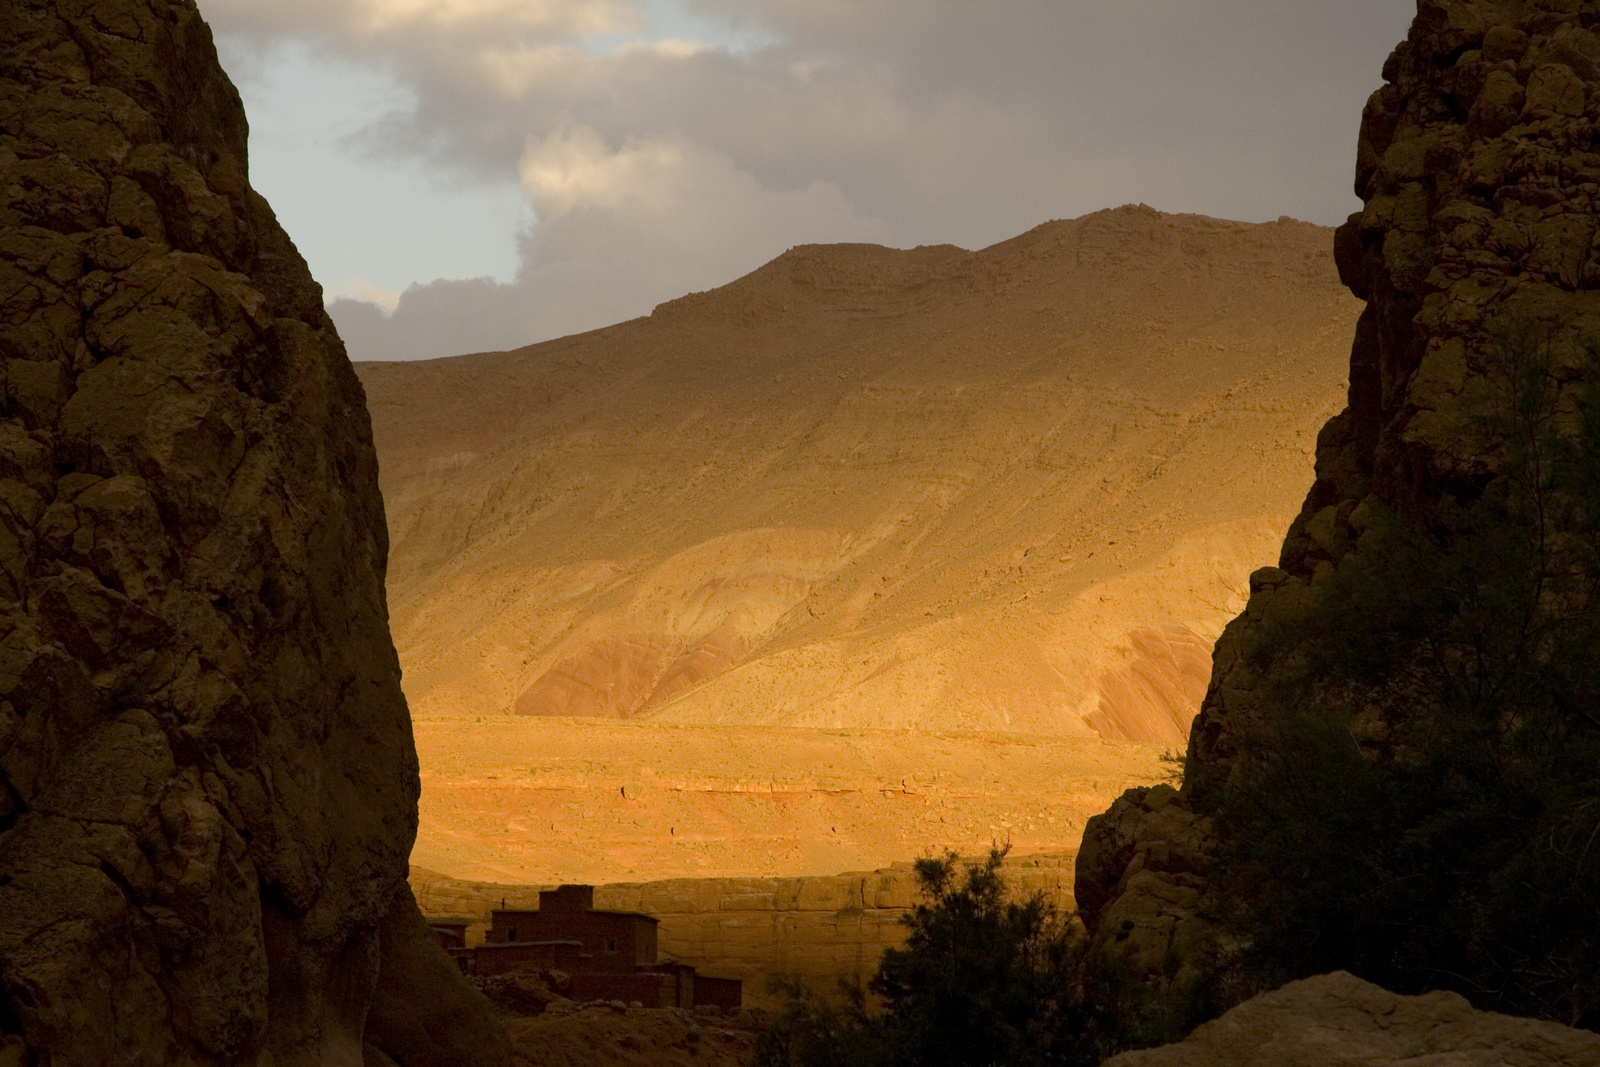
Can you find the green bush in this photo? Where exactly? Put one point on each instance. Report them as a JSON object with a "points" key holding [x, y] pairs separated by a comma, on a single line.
{"points": [[1423, 808], [982, 981]]}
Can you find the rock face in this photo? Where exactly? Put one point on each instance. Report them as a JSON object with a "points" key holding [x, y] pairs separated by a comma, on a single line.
{"points": [[1477, 166], [1337, 1020], [422, 1014], [207, 779]]}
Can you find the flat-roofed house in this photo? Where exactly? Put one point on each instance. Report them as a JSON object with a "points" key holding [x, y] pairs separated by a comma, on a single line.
{"points": [[615, 940], [608, 955]]}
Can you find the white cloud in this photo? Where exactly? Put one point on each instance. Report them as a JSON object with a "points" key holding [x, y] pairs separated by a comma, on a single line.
{"points": [[355, 288], [573, 168], [358, 22]]}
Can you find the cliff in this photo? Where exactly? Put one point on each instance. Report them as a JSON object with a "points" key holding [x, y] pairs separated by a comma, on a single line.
{"points": [[207, 780], [1478, 170]]}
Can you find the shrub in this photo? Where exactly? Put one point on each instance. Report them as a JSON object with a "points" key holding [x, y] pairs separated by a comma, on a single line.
{"points": [[982, 981]]}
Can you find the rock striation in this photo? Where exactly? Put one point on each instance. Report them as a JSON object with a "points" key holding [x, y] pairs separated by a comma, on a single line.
{"points": [[1337, 1020], [207, 779], [523, 799], [1478, 168]]}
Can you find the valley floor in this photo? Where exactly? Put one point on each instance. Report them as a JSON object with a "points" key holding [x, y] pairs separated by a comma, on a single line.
{"points": [[524, 800]]}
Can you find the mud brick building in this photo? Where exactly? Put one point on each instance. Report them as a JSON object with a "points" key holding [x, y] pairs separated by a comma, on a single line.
{"points": [[608, 955], [615, 939]]}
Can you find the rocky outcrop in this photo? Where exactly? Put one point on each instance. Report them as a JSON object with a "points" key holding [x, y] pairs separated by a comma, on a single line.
{"points": [[1481, 184], [207, 779], [422, 1014], [1337, 1020], [1157, 851]]}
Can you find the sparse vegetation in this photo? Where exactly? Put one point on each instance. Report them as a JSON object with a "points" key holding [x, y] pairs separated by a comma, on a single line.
{"points": [[1424, 807], [1421, 805], [982, 980]]}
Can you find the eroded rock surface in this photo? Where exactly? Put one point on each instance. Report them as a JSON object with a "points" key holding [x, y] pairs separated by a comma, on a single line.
{"points": [[207, 779], [1337, 1020], [1478, 168]]}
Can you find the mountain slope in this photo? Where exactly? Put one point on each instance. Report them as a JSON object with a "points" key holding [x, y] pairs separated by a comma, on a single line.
{"points": [[1017, 489]]}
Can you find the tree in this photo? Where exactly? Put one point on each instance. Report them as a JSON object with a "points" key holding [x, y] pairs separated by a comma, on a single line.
{"points": [[983, 980], [980, 980]]}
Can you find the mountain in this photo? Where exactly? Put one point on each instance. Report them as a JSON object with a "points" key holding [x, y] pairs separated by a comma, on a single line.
{"points": [[1397, 756], [1013, 490]]}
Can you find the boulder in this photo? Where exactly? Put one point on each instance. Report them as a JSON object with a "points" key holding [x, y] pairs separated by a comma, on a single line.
{"points": [[1337, 1020], [207, 779]]}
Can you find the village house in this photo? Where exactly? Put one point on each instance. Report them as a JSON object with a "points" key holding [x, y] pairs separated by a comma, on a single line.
{"points": [[608, 955]]}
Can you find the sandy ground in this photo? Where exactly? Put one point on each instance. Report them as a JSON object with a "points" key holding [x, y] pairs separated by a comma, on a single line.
{"points": [[550, 800]]}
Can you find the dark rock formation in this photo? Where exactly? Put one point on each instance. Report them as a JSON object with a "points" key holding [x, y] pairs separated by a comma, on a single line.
{"points": [[207, 780], [423, 1013], [1337, 1020], [1479, 165]]}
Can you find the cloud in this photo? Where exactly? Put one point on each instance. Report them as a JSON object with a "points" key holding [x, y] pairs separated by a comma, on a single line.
{"points": [[354, 288], [668, 145], [621, 230], [369, 23]]}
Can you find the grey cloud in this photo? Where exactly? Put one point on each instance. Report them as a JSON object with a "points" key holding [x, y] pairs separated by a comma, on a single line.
{"points": [[965, 121], [443, 318], [605, 258], [931, 121]]}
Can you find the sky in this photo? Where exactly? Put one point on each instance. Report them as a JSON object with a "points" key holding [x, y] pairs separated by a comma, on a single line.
{"points": [[473, 175]]}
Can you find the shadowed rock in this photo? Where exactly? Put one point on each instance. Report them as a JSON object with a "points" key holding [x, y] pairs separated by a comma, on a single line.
{"points": [[207, 780], [1477, 168]]}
